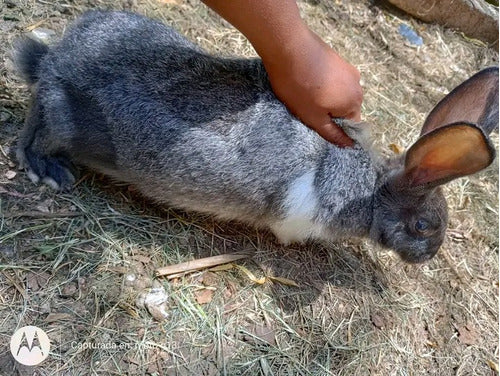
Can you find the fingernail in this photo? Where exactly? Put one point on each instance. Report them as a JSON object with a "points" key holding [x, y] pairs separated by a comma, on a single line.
{"points": [[348, 144]]}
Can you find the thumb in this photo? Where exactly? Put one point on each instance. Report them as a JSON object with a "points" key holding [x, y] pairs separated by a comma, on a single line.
{"points": [[333, 133]]}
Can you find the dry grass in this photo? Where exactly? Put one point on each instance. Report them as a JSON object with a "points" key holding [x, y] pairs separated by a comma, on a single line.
{"points": [[358, 310]]}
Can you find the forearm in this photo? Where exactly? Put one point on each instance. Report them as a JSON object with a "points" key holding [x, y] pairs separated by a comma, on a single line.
{"points": [[274, 27]]}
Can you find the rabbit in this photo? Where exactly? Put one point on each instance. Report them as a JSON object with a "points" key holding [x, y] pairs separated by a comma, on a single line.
{"points": [[131, 98]]}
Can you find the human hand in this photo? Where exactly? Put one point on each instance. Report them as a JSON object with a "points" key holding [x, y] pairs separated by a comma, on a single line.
{"points": [[313, 81], [316, 84]]}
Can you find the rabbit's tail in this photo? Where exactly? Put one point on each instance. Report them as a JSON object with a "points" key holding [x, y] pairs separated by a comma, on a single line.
{"points": [[27, 56]]}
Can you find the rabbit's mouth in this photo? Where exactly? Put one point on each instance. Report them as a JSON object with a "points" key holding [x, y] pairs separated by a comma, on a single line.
{"points": [[413, 251], [413, 258]]}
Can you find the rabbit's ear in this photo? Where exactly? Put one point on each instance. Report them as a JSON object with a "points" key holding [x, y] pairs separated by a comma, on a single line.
{"points": [[474, 101], [447, 153]]}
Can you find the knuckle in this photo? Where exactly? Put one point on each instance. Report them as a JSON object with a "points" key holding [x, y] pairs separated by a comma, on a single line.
{"points": [[358, 95], [355, 73]]}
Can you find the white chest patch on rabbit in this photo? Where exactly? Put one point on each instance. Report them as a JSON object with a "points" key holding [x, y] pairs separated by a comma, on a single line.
{"points": [[301, 207]]}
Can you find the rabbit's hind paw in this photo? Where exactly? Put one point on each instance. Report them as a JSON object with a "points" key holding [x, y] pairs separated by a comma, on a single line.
{"points": [[55, 171]]}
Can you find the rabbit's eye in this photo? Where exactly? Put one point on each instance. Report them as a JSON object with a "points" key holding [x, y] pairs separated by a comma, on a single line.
{"points": [[421, 225]]}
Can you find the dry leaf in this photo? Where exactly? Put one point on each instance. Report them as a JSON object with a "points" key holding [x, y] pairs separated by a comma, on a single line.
{"points": [[396, 149], [434, 345], [10, 174], [204, 296], [158, 312], [35, 281], [44, 207], [493, 365], [266, 333], [258, 333], [250, 275], [230, 290], [283, 281], [69, 290], [58, 316], [378, 321], [141, 258], [468, 335], [209, 279], [155, 301]]}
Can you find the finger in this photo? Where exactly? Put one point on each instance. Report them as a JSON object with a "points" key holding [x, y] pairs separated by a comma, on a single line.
{"points": [[356, 116], [353, 115], [334, 134], [347, 109]]}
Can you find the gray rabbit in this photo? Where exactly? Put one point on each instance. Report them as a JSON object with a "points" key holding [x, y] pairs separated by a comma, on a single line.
{"points": [[131, 98]]}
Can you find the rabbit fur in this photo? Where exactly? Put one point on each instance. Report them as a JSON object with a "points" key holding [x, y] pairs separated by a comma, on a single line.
{"points": [[131, 98]]}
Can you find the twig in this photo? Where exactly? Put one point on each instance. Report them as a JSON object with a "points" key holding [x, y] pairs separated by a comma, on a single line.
{"points": [[202, 263]]}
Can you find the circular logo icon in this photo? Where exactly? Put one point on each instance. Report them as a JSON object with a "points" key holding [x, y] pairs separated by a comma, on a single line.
{"points": [[29, 345]]}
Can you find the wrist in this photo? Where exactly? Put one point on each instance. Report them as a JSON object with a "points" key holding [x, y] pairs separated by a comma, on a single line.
{"points": [[292, 45]]}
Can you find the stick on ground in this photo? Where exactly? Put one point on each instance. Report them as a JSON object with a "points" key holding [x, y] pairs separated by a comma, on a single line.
{"points": [[202, 263]]}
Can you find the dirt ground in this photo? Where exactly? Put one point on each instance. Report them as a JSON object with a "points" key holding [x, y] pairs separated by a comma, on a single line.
{"points": [[73, 264]]}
